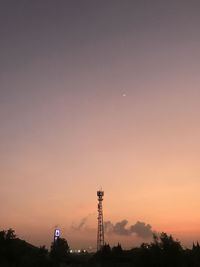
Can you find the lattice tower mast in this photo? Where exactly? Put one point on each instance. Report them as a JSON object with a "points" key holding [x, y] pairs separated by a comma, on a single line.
{"points": [[100, 230]]}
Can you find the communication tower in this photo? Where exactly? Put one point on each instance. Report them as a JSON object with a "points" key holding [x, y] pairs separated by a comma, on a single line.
{"points": [[100, 230]]}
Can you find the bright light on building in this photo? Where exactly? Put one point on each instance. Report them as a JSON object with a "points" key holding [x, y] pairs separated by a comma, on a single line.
{"points": [[57, 232]]}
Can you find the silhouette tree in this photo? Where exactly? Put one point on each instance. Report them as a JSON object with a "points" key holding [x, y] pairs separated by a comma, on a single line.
{"points": [[59, 252], [105, 250], [2, 236], [117, 249], [10, 234], [164, 251], [196, 254]]}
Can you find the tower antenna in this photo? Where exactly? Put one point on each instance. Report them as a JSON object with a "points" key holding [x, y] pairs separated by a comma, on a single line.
{"points": [[100, 230]]}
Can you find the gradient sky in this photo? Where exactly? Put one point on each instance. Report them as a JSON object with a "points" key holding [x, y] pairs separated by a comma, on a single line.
{"points": [[99, 94]]}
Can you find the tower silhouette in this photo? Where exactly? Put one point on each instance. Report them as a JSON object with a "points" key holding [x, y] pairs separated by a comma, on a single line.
{"points": [[100, 230]]}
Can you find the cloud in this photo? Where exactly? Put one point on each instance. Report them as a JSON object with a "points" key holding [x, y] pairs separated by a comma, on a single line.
{"points": [[122, 228], [119, 228], [82, 224], [141, 229]]}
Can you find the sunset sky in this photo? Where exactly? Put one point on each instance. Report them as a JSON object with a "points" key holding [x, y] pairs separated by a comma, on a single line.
{"points": [[99, 93]]}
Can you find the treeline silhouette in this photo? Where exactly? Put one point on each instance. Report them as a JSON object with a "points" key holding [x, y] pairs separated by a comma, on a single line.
{"points": [[163, 251]]}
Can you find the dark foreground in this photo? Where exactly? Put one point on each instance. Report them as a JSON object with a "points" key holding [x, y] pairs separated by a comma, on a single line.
{"points": [[164, 251]]}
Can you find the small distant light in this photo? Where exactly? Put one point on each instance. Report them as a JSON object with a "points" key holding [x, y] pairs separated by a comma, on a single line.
{"points": [[71, 251], [79, 251]]}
